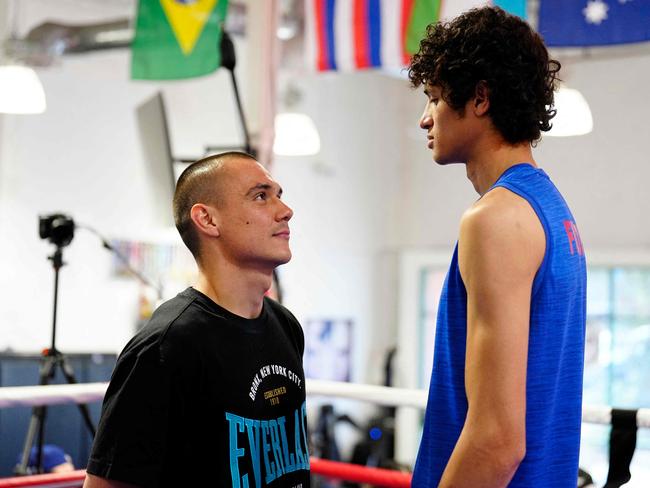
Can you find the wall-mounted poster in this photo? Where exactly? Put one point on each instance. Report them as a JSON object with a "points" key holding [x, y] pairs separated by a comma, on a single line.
{"points": [[328, 347]]}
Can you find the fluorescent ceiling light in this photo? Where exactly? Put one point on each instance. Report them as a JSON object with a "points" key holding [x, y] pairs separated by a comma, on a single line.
{"points": [[295, 135], [21, 92], [573, 114]]}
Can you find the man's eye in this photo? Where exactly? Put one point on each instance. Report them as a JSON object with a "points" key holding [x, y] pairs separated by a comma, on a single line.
{"points": [[260, 196]]}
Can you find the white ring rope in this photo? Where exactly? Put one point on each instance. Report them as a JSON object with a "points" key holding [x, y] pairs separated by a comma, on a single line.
{"points": [[31, 396], [34, 396]]}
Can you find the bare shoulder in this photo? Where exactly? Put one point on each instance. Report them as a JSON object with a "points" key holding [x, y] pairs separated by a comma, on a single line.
{"points": [[501, 207], [501, 232]]}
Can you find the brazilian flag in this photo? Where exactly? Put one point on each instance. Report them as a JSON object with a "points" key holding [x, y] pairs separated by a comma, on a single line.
{"points": [[423, 13], [177, 39]]}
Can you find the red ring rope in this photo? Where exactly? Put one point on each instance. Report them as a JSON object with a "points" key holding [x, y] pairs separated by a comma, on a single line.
{"points": [[331, 469], [360, 474], [71, 479]]}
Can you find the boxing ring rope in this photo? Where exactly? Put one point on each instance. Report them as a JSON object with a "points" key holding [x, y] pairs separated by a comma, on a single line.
{"points": [[30, 396], [72, 479], [331, 469], [35, 396]]}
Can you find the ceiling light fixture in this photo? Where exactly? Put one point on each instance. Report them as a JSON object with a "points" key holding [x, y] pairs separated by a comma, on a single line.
{"points": [[21, 92], [295, 135], [573, 114]]}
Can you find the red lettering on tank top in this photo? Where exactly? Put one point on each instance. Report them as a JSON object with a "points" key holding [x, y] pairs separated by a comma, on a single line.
{"points": [[574, 237]]}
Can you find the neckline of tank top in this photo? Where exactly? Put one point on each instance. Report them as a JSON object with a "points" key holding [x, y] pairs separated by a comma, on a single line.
{"points": [[514, 167]]}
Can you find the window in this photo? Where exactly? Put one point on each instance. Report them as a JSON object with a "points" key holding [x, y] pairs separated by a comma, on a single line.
{"points": [[617, 359]]}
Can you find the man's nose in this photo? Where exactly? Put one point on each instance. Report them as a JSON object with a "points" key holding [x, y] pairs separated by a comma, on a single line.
{"points": [[426, 121], [285, 212]]}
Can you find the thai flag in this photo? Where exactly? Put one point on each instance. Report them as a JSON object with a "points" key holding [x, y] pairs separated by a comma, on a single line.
{"points": [[349, 35]]}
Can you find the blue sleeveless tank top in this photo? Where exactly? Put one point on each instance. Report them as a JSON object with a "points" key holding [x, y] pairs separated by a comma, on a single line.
{"points": [[555, 351]]}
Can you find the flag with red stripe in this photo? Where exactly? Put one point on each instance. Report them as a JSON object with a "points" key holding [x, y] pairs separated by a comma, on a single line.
{"points": [[350, 35]]}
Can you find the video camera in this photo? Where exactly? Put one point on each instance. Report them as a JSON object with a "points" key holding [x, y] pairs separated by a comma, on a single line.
{"points": [[58, 228]]}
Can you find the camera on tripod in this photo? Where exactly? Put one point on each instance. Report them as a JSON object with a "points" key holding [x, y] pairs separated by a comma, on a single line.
{"points": [[58, 228]]}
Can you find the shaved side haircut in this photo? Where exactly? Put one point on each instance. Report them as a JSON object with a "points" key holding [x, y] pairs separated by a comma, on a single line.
{"points": [[199, 183]]}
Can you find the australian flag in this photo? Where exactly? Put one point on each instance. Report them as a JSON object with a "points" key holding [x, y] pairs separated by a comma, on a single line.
{"points": [[593, 22]]}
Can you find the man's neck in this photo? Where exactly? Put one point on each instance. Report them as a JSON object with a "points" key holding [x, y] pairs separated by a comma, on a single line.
{"points": [[491, 162], [240, 291]]}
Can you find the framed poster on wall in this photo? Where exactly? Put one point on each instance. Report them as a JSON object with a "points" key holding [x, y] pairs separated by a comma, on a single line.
{"points": [[328, 346]]}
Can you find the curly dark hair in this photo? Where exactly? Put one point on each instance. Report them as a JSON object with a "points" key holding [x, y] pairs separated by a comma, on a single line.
{"points": [[489, 45]]}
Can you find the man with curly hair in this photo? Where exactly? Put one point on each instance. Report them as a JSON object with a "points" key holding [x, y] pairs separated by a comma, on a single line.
{"points": [[505, 398]]}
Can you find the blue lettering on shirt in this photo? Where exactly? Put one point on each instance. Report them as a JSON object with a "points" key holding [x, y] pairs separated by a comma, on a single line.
{"points": [[277, 452], [270, 471], [300, 458], [252, 441], [236, 425], [253, 430]]}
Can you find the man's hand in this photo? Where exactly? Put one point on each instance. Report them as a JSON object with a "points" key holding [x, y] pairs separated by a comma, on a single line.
{"points": [[93, 481]]}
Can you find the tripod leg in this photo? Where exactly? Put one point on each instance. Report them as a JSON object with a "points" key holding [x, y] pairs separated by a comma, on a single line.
{"points": [[34, 423], [41, 441], [68, 372], [37, 421]]}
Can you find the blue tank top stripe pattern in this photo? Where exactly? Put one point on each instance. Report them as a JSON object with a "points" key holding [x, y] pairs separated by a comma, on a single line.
{"points": [[555, 356]]}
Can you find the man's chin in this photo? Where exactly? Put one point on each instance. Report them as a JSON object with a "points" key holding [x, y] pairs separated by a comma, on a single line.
{"points": [[439, 159], [445, 162], [283, 259]]}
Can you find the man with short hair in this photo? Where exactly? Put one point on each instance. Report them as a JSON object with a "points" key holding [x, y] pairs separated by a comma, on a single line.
{"points": [[211, 391], [505, 397]]}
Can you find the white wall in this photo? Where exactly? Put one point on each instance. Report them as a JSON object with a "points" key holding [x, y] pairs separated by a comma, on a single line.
{"points": [[372, 192], [345, 209], [83, 157]]}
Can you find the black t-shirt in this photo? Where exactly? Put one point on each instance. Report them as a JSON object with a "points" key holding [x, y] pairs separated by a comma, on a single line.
{"points": [[202, 397]]}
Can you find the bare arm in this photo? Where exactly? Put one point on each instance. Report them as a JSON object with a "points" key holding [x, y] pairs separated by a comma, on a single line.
{"points": [[501, 247], [93, 481]]}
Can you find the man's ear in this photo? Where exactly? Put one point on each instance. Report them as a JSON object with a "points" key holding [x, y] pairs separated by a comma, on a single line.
{"points": [[205, 219], [481, 103]]}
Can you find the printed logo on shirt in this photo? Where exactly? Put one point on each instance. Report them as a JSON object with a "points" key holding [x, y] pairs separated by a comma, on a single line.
{"points": [[265, 443], [266, 371], [575, 243], [273, 396]]}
